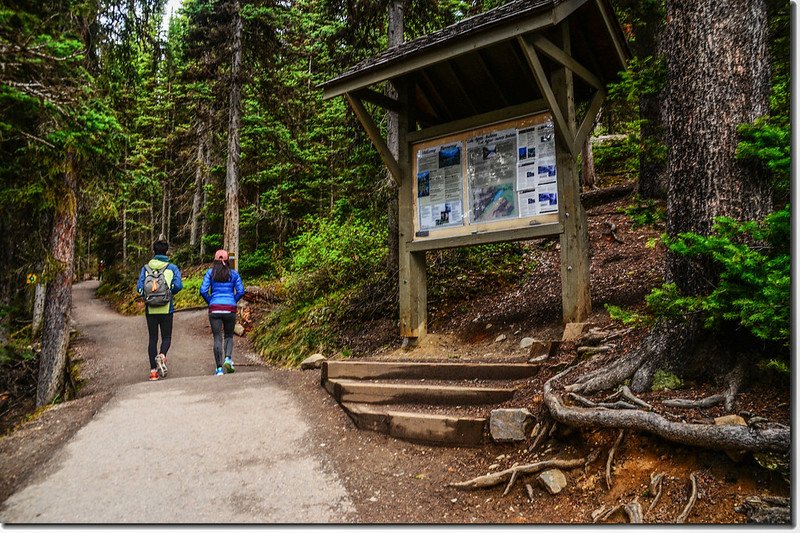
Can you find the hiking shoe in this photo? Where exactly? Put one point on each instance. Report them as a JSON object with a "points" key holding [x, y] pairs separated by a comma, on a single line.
{"points": [[228, 364], [154, 375], [161, 363], [219, 371]]}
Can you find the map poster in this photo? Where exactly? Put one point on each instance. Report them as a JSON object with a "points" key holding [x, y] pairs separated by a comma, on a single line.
{"points": [[439, 186], [491, 175]]}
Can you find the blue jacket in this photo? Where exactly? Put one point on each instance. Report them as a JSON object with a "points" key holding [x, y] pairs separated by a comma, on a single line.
{"points": [[222, 294], [157, 263]]}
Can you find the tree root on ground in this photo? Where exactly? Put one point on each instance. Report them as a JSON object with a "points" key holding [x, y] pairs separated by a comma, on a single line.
{"points": [[746, 438], [766, 510], [655, 487], [544, 431], [610, 460], [734, 379], [496, 478], [632, 510], [626, 393], [605, 405], [692, 499]]}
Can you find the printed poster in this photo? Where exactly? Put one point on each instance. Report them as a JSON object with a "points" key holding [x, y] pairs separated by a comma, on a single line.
{"points": [[491, 175], [439, 184]]}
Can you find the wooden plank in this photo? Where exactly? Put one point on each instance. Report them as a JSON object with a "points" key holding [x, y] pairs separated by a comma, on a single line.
{"points": [[418, 370], [482, 64], [562, 129], [516, 234], [419, 427], [378, 99], [358, 391], [375, 136], [484, 119], [412, 277], [447, 67], [558, 55], [575, 297], [439, 53], [430, 89], [610, 23], [588, 119]]}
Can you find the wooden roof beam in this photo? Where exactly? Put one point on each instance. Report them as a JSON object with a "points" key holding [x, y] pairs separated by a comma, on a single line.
{"points": [[381, 100], [563, 130], [612, 33], [448, 66], [485, 68], [375, 136], [555, 53], [588, 120]]}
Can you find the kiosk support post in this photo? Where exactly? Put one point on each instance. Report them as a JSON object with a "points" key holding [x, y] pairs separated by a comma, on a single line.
{"points": [[413, 289]]}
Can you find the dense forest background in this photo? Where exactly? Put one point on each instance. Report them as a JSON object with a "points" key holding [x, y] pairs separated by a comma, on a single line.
{"points": [[116, 128]]}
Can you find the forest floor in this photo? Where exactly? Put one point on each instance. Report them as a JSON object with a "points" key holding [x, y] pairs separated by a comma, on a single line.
{"points": [[392, 481]]}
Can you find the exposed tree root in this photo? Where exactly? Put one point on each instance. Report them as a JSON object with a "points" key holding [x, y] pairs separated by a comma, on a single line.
{"points": [[692, 499], [708, 436], [610, 460], [656, 481], [543, 432], [766, 510], [626, 393], [496, 478], [734, 379], [632, 510]]}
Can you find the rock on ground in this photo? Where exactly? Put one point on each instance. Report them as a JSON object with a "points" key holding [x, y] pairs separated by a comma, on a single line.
{"points": [[509, 425], [553, 480]]}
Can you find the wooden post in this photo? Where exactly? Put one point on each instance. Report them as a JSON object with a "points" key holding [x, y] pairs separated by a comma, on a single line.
{"points": [[412, 276], [576, 300]]}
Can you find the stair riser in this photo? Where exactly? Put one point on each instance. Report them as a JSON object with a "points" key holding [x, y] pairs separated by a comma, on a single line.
{"points": [[438, 371], [432, 396]]}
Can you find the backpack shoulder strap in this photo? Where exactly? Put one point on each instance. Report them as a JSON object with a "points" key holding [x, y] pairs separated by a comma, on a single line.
{"points": [[148, 269]]}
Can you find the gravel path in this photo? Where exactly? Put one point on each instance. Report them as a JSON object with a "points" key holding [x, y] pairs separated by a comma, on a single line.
{"points": [[193, 448]]}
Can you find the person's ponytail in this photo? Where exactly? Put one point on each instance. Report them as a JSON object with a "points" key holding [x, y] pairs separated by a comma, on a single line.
{"points": [[220, 272]]}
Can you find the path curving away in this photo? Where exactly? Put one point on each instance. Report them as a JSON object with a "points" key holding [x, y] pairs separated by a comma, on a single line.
{"points": [[193, 448]]}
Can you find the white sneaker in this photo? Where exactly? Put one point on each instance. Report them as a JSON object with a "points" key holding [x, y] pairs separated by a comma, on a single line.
{"points": [[161, 363]]}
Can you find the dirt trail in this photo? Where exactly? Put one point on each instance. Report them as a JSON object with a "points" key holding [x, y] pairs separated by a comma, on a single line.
{"points": [[191, 448]]}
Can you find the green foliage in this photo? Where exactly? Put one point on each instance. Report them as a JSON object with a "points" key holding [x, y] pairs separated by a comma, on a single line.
{"points": [[645, 213], [627, 317], [332, 254], [189, 296], [753, 288], [663, 380], [260, 262], [618, 157]]}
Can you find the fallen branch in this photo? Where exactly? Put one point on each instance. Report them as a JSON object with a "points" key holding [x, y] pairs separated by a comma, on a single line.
{"points": [[766, 509], [704, 435], [692, 499], [611, 457], [496, 478], [655, 486], [632, 510]]}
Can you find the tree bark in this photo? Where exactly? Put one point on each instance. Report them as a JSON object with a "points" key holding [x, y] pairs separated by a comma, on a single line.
{"points": [[39, 293], [395, 38], [198, 185], [718, 78], [203, 220], [588, 176], [55, 338], [231, 231]]}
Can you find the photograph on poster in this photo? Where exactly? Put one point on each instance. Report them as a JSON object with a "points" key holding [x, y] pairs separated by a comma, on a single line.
{"points": [[491, 175], [423, 184]]}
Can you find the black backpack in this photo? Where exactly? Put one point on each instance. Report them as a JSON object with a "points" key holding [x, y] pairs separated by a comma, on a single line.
{"points": [[156, 291]]}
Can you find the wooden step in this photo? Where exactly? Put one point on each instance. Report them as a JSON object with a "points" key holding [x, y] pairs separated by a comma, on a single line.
{"points": [[412, 370], [356, 391], [418, 427]]}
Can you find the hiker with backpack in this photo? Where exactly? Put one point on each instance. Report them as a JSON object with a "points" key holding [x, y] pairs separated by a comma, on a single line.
{"points": [[158, 281], [221, 288]]}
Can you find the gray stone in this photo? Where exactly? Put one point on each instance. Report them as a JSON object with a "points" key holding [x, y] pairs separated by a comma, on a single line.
{"points": [[553, 480], [526, 342], [313, 361], [500, 338], [544, 348], [510, 425]]}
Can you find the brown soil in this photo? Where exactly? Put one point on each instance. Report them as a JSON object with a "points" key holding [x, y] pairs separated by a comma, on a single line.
{"points": [[391, 481]]}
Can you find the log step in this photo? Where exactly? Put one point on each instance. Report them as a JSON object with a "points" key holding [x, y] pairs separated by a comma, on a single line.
{"points": [[413, 370], [418, 427], [355, 391]]}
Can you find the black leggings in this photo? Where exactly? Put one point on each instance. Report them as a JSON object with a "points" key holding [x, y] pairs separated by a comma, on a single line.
{"points": [[154, 322], [220, 321]]}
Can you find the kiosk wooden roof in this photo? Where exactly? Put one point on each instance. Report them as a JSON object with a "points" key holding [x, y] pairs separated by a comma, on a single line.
{"points": [[483, 64]]}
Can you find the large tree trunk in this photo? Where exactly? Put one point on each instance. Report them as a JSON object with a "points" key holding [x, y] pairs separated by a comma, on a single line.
{"points": [[395, 38], [231, 233], [203, 220], [39, 294], [718, 78], [55, 339]]}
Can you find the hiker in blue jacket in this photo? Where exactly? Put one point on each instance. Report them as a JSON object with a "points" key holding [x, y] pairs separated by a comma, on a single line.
{"points": [[221, 288], [159, 316]]}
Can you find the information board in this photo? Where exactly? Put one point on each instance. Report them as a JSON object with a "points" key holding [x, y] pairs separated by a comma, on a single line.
{"points": [[502, 176]]}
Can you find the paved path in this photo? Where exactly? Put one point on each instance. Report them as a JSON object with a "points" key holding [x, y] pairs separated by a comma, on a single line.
{"points": [[197, 449]]}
